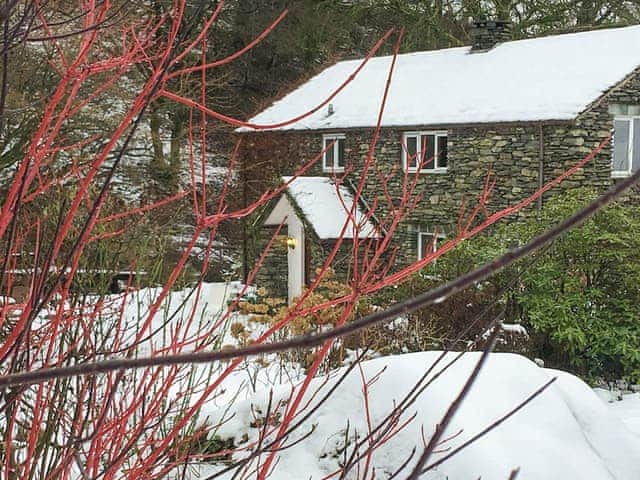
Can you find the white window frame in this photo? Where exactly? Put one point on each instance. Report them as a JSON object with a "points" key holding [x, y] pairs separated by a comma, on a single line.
{"points": [[335, 168], [625, 173], [425, 233], [418, 133]]}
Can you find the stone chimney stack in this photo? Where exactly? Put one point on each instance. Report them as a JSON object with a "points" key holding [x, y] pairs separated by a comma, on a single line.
{"points": [[486, 34]]}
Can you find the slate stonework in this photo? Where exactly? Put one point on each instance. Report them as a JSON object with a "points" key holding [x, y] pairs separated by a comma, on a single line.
{"points": [[273, 274], [511, 152]]}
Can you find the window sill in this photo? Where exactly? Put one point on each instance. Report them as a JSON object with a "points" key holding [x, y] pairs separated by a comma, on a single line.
{"points": [[620, 174], [333, 170], [431, 170]]}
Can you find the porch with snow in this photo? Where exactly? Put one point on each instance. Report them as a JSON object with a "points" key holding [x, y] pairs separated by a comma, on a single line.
{"points": [[315, 207]]}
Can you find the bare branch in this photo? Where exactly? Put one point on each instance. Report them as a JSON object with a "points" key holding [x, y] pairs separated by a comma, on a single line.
{"points": [[402, 308]]}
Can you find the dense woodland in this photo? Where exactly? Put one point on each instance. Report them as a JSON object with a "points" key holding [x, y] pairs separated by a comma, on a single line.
{"points": [[312, 35]]}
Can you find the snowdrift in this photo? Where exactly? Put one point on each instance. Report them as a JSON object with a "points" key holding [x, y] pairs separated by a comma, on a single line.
{"points": [[565, 433]]}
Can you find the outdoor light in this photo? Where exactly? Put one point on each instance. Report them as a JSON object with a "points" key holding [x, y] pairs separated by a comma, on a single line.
{"points": [[291, 242]]}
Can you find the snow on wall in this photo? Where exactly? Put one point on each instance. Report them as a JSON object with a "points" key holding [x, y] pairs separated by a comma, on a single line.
{"points": [[548, 78]]}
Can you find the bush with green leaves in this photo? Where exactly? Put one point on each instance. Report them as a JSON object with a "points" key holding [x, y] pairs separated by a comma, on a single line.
{"points": [[580, 296]]}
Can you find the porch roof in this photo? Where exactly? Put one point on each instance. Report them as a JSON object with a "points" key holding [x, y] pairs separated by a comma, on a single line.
{"points": [[326, 207]]}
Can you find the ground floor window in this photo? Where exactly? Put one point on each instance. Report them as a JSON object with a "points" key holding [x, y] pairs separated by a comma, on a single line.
{"points": [[428, 242]]}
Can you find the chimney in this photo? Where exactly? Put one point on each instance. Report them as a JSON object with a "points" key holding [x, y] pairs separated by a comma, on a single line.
{"points": [[486, 34]]}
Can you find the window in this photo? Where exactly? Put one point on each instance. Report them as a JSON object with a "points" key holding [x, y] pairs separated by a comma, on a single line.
{"points": [[428, 243], [626, 146], [427, 150], [333, 158]]}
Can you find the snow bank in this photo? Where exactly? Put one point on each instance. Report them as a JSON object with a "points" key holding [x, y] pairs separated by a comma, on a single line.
{"points": [[186, 314], [565, 433]]}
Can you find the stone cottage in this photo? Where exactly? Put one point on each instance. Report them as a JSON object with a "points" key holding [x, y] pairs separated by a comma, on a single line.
{"points": [[525, 110]]}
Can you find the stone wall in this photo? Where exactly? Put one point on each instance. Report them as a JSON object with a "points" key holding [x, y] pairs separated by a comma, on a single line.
{"points": [[274, 272], [563, 144], [510, 151]]}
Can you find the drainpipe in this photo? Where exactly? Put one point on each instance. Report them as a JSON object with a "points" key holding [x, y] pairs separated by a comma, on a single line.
{"points": [[540, 163]]}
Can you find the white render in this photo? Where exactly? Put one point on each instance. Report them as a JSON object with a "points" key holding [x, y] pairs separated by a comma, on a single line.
{"points": [[547, 78]]}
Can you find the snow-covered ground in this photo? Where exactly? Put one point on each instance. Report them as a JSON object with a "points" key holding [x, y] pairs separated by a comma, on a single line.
{"points": [[192, 313], [628, 409], [626, 406], [568, 432]]}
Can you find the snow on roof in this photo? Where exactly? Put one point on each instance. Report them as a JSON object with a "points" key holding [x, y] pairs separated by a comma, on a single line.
{"points": [[326, 207], [547, 78]]}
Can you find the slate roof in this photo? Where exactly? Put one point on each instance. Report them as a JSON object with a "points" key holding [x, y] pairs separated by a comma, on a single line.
{"points": [[540, 79]]}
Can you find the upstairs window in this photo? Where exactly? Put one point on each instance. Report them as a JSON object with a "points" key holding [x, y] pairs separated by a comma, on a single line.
{"points": [[333, 158], [626, 146], [424, 151], [428, 243]]}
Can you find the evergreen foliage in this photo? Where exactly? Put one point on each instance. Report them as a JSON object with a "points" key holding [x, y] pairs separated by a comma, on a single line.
{"points": [[579, 297]]}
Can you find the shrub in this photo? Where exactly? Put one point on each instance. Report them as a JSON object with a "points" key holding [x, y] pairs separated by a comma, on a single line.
{"points": [[263, 309], [579, 297]]}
